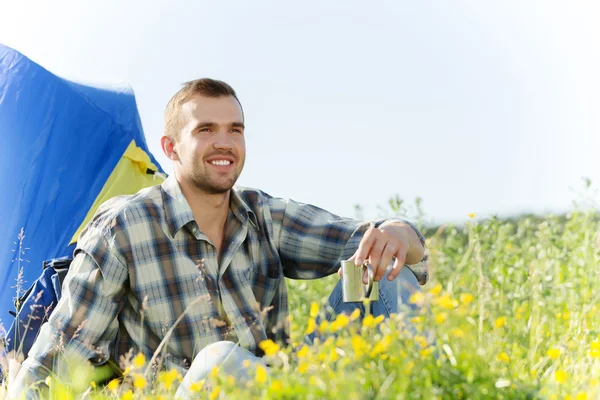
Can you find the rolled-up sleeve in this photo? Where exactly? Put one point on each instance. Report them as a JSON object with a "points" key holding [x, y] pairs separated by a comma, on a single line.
{"points": [[312, 241], [83, 324]]}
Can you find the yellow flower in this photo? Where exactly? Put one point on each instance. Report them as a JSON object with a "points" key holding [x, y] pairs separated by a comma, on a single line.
{"points": [[113, 385], [503, 357], [128, 395], [93, 384], [441, 318], [581, 396], [359, 345], [355, 314], [139, 382], [409, 367], [340, 322], [323, 326], [261, 374], [311, 326], [269, 347], [595, 349], [466, 298], [314, 309], [560, 376], [276, 386], [458, 333], [197, 386], [302, 367], [417, 298], [139, 361], [167, 378], [421, 341], [437, 289], [371, 322], [446, 301], [215, 393], [553, 353], [471, 215], [303, 352], [500, 322]]}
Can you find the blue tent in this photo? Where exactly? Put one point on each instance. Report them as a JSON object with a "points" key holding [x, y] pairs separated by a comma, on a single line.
{"points": [[66, 148]]}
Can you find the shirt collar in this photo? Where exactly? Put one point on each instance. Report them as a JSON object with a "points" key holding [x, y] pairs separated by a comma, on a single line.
{"points": [[179, 213]]}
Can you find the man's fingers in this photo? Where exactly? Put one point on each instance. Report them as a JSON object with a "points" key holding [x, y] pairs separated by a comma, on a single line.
{"points": [[375, 259], [398, 264], [364, 248], [386, 259]]}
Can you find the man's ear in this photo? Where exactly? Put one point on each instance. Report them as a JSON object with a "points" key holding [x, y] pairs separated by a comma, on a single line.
{"points": [[168, 147]]}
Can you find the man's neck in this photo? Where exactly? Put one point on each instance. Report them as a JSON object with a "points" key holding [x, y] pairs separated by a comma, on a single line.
{"points": [[210, 211]]}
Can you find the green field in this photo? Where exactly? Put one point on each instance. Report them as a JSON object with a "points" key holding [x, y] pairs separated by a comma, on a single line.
{"points": [[514, 312]]}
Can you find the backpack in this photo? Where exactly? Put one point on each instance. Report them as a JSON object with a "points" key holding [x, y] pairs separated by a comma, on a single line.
{"points": [[34, 307]]}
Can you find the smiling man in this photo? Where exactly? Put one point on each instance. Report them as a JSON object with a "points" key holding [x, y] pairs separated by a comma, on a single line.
{"points": [[209, 260]]}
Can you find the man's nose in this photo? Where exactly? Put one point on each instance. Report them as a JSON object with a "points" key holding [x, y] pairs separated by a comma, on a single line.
{"points": [[223, 140]]}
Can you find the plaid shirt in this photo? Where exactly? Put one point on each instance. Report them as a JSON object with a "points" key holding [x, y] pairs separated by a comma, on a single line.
{"points": [[142, 263]]}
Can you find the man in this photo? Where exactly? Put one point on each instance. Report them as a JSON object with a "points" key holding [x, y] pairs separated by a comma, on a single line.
{"points": [[197, 255]]}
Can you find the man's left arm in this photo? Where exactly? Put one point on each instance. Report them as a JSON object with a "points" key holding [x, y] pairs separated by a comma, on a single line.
{"points": [[312, 241]]}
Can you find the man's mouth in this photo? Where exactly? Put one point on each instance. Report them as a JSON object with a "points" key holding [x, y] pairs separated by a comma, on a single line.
{"points": [[220, 162]]}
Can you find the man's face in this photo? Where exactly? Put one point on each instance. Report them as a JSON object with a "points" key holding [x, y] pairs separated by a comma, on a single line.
{"points": [[211, 149]]}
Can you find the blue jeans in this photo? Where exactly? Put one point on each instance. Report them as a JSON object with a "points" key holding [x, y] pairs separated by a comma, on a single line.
{"points": [[230, 357]]}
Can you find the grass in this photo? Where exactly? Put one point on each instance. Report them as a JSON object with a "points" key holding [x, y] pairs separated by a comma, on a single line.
{"points": [[514, 310]]}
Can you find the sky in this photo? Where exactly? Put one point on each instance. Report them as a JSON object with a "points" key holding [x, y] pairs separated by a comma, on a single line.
{"points": [[490, 108]]}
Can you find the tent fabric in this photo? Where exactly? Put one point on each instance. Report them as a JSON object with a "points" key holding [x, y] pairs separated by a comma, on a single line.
{"points": [[66, 147]]}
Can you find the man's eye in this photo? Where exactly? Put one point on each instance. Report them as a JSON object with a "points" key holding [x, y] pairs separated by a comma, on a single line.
{"points": [[205, 130], [236, 130]]}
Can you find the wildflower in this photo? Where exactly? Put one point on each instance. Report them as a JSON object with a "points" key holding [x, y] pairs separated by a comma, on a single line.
{"points": [[417, 298], [409, 367], [261, 374], [113, 385], [355, 314], [323, 326], [139, 361], [139, 382], [500, 322], [581, 396], [595, 349], [314, 309], [311, 326], [441, 318], [446, 301], [128, 395], [333, 355], [303, 352], [458, 333], [269, 347], [359, 345], [560, 376], [215, 393], [437, 289], [214, 373], [421, 341], [302, 367], [197, 386], [276, 386], [503, 357], [167, 378], [340, 322], [471, 215], [553, 353], [371, 322], [466, 298], [93, 384]]}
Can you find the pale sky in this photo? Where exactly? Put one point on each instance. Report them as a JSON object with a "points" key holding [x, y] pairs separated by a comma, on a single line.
{"points": [[484, 107]]}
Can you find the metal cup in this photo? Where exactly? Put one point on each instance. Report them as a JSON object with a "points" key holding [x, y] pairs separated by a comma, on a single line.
{"points": [[353, 288]]}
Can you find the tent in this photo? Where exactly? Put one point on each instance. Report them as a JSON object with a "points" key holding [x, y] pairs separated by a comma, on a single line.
{"points": [[65, 148]]}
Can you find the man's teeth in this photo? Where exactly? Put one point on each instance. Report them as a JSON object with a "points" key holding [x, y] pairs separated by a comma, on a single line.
{"points": [[221, 162]]}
